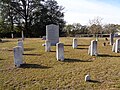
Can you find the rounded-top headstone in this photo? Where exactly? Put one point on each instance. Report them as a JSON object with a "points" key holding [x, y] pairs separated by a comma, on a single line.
{"points": [[87, 77]]}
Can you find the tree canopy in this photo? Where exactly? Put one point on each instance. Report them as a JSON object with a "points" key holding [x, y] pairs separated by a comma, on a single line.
{"points": [[31, 16]]}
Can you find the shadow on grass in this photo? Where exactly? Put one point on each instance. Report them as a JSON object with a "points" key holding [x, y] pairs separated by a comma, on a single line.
{"points": [[106, 55], [77, 45], [4, 41], [32, 54], [94, 81], [10, 50], [37, 66], [82, 48], [29, 49], [76, 60], [2, 59]]}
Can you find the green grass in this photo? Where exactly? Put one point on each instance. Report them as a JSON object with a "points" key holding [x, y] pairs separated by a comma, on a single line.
{"points": [[44, 72]]}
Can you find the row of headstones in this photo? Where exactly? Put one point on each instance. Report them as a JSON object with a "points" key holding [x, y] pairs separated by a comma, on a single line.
{"points": [[59, 48], [12, 35], [52, 35], [92, 50]]}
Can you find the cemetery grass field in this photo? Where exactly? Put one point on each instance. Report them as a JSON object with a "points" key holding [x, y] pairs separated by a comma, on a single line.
{"points": [[42, 71]]}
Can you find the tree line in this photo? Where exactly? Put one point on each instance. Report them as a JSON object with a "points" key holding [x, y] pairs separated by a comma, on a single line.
{"points": [[32, 16], [94, 27], [29, 16]]}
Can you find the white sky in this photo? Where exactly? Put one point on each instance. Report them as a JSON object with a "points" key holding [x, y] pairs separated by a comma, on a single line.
{"points": [[81, 11]]}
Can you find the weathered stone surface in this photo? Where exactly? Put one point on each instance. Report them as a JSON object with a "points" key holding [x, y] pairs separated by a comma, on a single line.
{"points": [[52, 34], [18, 58], [93, 46], [60, 51]]}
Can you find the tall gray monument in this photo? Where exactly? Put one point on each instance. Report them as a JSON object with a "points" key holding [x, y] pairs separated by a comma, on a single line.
{"points": [[52, 34]]}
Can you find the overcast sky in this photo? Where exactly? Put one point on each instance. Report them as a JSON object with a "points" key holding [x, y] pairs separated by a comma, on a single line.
{"points": [[81, 11]]}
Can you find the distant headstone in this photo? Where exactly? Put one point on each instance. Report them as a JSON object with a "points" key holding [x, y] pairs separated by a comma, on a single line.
{"points": [[111, 38], [113, 47], [117, 46], [93, 48], [74, 45], [52, 34], [44, 38], [47, 46], [96, 38], [22, 35], [87, 77], [12, 36], [60, 51], [20, 43], [18, 58]]}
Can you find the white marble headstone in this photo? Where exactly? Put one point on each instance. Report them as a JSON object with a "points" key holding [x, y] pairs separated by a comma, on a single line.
{"points": [[74, 43], [18, 58], [87, 78], [20, 43], [60, 51], [93, 50], [22, 35], [12, 35], [113, 47], [47, 46], [89, 50], [52, 34], [117, 46]]}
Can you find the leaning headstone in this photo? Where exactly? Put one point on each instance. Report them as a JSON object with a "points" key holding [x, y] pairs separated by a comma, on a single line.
{"points": [[47, 46], [93, 48], [87, 77], [113, 47], [74, 43], [60, 51], [18, 58], [52, 34], [111, 38], [117, 46], [20, 43]]}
